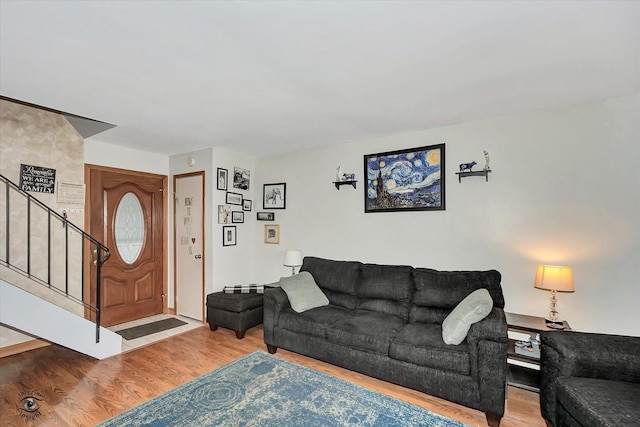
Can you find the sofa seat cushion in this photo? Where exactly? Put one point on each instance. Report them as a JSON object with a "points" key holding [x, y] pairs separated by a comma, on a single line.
{"points": [[600, 402], [365, 330], [313, 322], [422, 344]]}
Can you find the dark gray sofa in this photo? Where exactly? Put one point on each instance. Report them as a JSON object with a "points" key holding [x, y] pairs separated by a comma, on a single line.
{"points": [[386, 322], [589, 379]]}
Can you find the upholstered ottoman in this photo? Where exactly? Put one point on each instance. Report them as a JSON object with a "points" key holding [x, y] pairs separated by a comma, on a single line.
{"points": [[237, 312]]}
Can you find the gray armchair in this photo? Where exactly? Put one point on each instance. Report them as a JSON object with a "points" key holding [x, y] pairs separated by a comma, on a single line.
{"points": [[589, 379]]}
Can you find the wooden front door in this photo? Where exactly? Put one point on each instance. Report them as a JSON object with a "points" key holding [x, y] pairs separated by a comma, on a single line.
{"points": [[126, 213]]}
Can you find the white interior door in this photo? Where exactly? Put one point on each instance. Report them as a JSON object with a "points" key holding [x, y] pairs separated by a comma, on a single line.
{"points": [[189, 244]]}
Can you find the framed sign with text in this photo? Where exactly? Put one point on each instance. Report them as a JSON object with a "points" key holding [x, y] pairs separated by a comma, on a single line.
{"points": [[37, 179]]}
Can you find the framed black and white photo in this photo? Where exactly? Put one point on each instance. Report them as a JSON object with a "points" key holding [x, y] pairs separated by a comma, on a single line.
{"points": [[224, 214], [237, 217], [266, 216], [229, 235], [241, 178], [246, 205], [223, 176], [274, 196], [272, 234], [234, 198]]}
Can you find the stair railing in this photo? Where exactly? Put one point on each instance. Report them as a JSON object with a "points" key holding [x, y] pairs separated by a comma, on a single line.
{"points": [[43, 245]]}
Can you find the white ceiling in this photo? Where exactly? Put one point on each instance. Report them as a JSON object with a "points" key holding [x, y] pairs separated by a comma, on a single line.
{"points": [[270, 77]]}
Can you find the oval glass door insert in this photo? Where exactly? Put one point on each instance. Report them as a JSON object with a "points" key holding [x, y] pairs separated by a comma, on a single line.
{"points": [[129, 228]]}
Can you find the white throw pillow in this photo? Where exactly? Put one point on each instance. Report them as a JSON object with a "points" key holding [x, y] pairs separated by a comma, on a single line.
{"points": [[303, 292], [475, 307]]}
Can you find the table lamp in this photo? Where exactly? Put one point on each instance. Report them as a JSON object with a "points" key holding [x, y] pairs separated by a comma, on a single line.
{"points": [[555, 279], [293, 259]]}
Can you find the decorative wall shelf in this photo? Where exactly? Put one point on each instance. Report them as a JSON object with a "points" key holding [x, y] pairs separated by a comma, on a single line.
{"points": [[338, 184], [478, 173]]}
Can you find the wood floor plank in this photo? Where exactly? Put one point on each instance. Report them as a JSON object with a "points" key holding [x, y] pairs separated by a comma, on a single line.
{"points": [[81, 391]]}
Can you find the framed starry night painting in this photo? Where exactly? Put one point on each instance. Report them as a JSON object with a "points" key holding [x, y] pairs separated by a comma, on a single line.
{"points": [[405, 180]]}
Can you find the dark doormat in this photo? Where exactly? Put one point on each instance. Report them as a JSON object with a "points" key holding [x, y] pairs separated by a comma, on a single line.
{"points": [[150, 328]]}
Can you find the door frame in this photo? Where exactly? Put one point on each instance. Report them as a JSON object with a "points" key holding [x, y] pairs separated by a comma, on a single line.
{"points": [[175, 245], [165, 229]]}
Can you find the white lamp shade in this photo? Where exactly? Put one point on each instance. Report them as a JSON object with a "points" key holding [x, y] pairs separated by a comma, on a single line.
{"points": [[554, 278], [293, 258]]}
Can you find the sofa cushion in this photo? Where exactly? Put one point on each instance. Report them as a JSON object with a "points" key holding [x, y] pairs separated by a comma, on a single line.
{"points": [[475, 307], [428, 314], [302, 291], [385, 288], [365, 330], [312, 322], [600, 402], [337, 278], [422, 344], [445, 289]]}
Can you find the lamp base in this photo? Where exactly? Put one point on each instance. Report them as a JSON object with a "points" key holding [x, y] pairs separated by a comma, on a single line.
{"points": [[554, 324]]}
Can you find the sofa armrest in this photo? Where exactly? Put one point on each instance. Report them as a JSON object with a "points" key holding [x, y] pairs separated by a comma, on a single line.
{"points": [[578, 354], [275, 301], [488, 344], [492, 328]]}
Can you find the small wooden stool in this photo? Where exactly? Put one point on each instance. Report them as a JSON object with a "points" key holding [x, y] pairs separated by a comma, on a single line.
{"points": [[237, 312]]}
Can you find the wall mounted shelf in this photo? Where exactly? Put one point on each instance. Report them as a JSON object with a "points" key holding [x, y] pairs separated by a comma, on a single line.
{"points": [[339, 184], [478, 173]]}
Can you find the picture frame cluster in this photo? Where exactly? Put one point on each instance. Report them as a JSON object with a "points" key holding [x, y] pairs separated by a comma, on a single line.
{"points": [[232, 212], [274, 197]]}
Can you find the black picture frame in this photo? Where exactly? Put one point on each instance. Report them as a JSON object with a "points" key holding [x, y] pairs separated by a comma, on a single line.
{"points": [[237, 217], [266, 216], [223, 179], [229, 236], [224, 214], [234, 198], [246, 205], [412, 179], [241, 178], [274, 196]]}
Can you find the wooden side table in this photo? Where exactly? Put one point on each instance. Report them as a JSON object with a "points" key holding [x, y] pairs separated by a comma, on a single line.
{"points": [[524, 371]]}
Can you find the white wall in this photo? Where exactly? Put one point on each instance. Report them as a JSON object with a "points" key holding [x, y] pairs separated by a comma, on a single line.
{"points": [[117, 156], [230, 265], [565, 189], [233, 265]]}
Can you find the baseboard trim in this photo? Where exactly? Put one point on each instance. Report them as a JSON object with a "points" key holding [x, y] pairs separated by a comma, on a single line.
{"points": [[22, 347]]}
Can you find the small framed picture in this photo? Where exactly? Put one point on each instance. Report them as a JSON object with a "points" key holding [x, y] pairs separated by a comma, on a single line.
{"points": [[246, 205], [272, 234], [266, 216], [237, 216], [229, 235], [223, 174], [224, 214], [241, 178], [274, 196], [234, 198]]}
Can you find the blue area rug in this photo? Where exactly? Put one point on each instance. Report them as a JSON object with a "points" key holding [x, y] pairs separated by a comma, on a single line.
{"points": [[263, 390]]}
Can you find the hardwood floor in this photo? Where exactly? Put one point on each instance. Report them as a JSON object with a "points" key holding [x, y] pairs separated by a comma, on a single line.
{"points": [[75, 390]]}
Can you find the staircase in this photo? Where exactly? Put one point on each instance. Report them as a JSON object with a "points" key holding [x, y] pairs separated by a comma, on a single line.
{"points": [[50, 276]]}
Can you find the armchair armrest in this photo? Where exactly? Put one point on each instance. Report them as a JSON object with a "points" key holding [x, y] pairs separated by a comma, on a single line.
{"points": [[579, 354]]}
